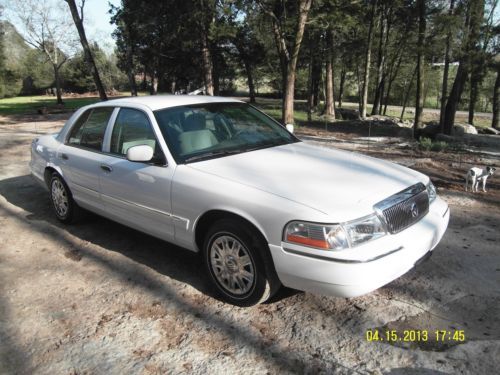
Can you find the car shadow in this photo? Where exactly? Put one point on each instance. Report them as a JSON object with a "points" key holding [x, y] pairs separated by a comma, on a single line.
{"points": [[163, 257]]}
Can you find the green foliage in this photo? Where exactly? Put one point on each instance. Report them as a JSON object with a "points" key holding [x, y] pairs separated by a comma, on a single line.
{"points": [[439, 146], [427, 144], [163, 40], [11, 72], [78, 77]]}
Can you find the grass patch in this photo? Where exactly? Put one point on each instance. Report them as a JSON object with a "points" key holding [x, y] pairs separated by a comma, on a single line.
{"points": [[272, 107], [30, 104]]}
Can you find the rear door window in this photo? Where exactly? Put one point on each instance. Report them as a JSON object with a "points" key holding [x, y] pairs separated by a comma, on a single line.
{"points": [[89, 129]]}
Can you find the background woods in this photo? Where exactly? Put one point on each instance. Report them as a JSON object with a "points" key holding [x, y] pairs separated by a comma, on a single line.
{"points": [[376, 53]]}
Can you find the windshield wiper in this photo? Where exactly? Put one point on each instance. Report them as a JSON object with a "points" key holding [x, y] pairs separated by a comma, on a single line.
{"points": [[213, 154], [266, 144]]}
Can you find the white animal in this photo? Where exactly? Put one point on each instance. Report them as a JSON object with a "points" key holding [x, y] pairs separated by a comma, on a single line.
{"points": [[477, 175]]}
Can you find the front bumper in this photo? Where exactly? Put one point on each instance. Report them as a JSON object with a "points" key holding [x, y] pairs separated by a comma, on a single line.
{"points": [[367, 267]]}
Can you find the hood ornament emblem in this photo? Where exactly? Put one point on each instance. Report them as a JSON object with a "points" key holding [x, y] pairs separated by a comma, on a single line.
{"points": [[414, 210]]}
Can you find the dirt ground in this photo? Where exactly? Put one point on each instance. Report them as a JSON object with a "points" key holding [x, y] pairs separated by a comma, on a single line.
{"points": [[98, 297]]}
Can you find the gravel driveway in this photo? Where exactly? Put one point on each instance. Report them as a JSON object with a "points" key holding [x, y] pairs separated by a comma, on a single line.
{"points": [[98, 297]]}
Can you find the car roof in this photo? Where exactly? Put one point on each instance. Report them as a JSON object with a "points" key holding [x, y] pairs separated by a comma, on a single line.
{"points": [[155, 102]]}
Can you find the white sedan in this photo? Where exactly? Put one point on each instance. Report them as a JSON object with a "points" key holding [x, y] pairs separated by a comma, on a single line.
{"points": [[217, 176]]}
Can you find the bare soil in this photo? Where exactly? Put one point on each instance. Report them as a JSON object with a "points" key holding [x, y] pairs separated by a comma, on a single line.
{"points": [[98, 297]]}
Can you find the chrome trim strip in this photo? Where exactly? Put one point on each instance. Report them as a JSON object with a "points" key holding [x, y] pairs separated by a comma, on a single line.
{"points": [[168, 214], [84, 189], [400, 197], [337, 260], [447, 209]]}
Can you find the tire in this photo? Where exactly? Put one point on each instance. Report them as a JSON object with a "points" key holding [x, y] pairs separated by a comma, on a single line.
{"points": [[63, 205], [239, 264]]}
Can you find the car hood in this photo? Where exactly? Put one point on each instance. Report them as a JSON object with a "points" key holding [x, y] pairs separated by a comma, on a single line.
{"points": [[344, 185]]}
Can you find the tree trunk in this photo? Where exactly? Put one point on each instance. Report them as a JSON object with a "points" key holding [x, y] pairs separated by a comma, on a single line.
{"points": [[77, 18], [329, 98], [380, 67], [366, 80], [392, 77], [304, 7], [215, 73], [360, 90], [288, 98], [474, 83], [454, 98], [144, 83], [57, 80], [251, 86], [313, 85], [207, 66], [153, 88], [342, 82], [316, 82], [131, 82], [477, 64], [419, 100], [444, 90], [310, 96], [130, 72], [475, 10], [496, 101], [407, 95]]}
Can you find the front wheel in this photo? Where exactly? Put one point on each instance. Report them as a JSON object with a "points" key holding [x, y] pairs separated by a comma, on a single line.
{"points": [[237, 264]]}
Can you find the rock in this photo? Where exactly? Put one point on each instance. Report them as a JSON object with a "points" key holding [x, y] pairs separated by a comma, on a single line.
{"points": [[380, 120], [42, 110], [445, 138], [430, 130], [460, 129], [388, 126], [347, 114], [405, 124], [488, 131]]}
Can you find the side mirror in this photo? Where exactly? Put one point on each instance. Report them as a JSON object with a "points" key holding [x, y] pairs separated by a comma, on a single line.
{"points": [[141, 153], [289, 127]]}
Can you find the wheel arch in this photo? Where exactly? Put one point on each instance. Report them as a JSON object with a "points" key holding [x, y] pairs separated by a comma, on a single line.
{"points": [[205, 220], [49, 170]]}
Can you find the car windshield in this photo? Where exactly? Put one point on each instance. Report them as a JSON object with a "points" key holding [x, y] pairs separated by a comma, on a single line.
{"points": [[205, 131]]}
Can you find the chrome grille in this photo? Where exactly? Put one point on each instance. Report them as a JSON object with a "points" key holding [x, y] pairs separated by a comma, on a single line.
{"points": [[403, 209]]}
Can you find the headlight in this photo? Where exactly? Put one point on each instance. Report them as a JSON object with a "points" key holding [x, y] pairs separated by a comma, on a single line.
{"points": [[334, 237], [365, 229], [326, 237], [431, 191]]}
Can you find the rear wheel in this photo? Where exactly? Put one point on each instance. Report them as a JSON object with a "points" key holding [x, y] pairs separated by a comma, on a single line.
{"points": [[65, 208], [239, 267]]}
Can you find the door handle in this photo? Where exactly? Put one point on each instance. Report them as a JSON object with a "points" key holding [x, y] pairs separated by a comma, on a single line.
{"points": [[106, 168], [64, 156]]}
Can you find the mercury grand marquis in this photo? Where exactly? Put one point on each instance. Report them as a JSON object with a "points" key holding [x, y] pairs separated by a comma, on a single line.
{"points": [[264, 209]]}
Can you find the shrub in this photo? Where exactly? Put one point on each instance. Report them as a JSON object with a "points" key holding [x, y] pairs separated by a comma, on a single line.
{"points": [[439, 146], [427, 144]]}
